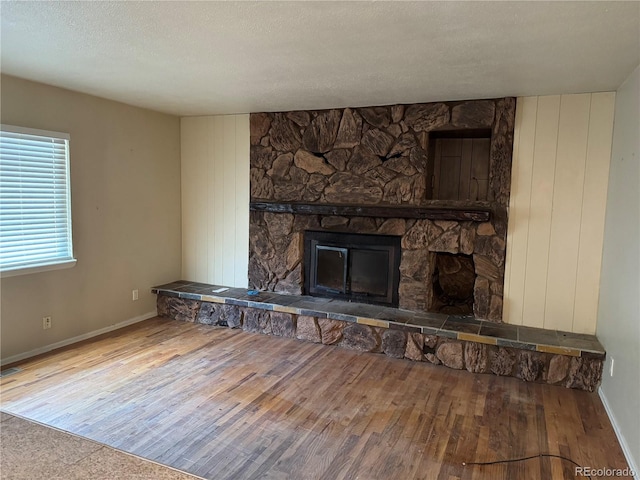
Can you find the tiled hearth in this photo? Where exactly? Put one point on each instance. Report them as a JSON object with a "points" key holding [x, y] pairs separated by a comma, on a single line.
{"points": [[460, 342]]}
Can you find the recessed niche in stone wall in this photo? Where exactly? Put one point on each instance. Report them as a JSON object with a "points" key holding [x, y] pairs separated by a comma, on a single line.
{"points": [[460, 166], [453, 282]]}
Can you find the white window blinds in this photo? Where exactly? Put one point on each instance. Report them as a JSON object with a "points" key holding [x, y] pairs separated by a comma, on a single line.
{"points": [[35, 200]]}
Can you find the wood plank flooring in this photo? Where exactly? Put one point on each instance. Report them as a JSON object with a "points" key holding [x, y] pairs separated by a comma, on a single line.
{"points": [[226, 404]]}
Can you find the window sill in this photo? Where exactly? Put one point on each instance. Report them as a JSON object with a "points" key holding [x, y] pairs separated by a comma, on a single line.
{"points": [[39, 268]]}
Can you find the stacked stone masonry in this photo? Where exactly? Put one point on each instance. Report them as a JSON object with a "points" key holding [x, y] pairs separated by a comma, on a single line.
{"points": [[376, 156], [581, 372]]}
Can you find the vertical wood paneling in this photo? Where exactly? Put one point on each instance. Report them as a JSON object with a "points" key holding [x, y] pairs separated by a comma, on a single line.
{"points": [[573, 132], [480, 169], [215, 199], [556, 220], [542, 178], [217, 221], [435, 178], [461, 168], [199, 186], [186, 142], [242, 201], [213, 142], [594, 200], [228, 171], [519, 206], [465, 168], [189, 165]]}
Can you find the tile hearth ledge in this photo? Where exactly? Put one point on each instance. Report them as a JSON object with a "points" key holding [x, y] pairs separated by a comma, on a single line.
{"points": [[548, 355]]}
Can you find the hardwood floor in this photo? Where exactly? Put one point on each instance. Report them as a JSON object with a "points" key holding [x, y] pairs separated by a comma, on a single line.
{"points": [[226, 404]]}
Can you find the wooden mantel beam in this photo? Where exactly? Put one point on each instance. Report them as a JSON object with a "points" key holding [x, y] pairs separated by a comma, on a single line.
{"points": [[480, 213]]}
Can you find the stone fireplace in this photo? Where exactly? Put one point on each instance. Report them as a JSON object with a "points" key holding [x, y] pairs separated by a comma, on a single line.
{"points": [[430, 183], [435, 175]]}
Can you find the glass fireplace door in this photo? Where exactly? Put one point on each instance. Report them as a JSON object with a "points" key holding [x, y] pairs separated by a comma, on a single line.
{"points": [[331, 269], [369, 272], [350, 266]]}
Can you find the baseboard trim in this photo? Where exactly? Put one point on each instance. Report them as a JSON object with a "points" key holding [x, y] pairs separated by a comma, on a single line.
{"points": [[623, 443], [79, 338]]}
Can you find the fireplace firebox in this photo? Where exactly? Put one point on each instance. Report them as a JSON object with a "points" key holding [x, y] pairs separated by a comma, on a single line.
{"points": [[356, 267]]}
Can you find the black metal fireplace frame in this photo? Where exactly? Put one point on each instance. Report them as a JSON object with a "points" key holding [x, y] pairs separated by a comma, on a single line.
{"points": [[343, 241]]}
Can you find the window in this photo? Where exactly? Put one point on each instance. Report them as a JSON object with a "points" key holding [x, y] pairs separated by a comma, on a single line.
{"points": [[35, 201]]}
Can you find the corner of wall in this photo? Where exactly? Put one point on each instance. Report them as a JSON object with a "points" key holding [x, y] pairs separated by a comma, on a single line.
{"points": [[618, 326]]}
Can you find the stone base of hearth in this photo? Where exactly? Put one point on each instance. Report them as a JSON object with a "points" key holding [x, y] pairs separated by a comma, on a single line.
{"points": [[533, 355]]}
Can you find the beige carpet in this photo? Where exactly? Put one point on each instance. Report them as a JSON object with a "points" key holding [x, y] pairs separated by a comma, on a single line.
{"points": [[31, 451]]}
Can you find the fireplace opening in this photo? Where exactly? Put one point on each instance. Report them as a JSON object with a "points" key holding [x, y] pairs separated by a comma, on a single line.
{"points": [[355, 267], [453, 282]]}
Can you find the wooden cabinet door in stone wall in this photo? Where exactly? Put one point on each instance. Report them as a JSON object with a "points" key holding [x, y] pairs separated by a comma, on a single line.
{"points": [[461, 168]]}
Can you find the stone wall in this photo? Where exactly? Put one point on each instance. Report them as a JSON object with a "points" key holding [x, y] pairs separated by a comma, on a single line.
{"points": [[276, 239], [376, 156], [582, 372]]}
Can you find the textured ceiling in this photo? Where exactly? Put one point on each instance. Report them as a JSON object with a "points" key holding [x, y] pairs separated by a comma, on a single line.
{"points": [[196, 58]]}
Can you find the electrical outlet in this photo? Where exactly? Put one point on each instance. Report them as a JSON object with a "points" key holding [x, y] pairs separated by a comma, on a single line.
{"points": [[611, 367], [46, 323], [134, 295]]}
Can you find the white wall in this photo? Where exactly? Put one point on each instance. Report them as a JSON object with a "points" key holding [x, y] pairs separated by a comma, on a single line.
{"points": [[215, 199], [125, 189], [619, 311], [562, 147]]}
